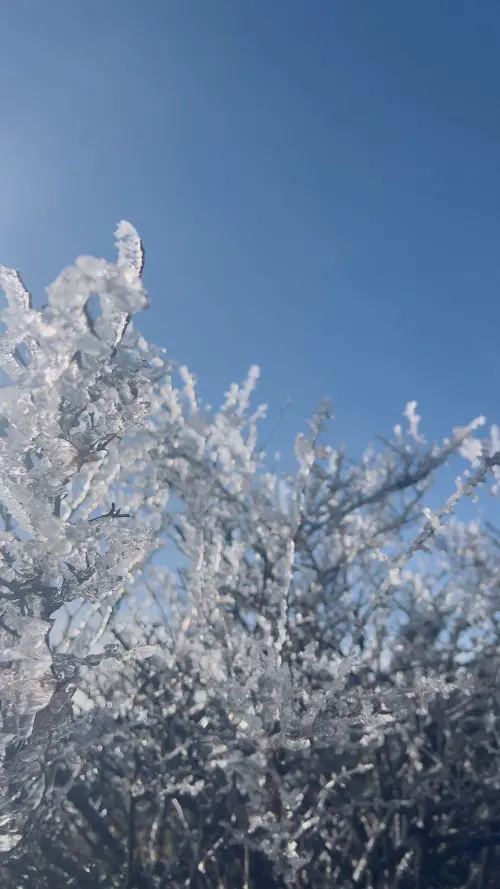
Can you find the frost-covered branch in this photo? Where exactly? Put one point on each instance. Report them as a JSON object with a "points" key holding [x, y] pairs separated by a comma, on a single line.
{"points": [[197, 648]]}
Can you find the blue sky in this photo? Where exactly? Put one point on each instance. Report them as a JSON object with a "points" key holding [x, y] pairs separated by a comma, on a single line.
{"points": [[316, 183]]}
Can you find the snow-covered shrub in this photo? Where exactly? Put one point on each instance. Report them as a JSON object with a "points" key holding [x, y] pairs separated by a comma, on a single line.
{"points": [[213, 674]]}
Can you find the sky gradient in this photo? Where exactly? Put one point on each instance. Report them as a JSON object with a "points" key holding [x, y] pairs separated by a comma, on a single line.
{"points": [[316, 183]]}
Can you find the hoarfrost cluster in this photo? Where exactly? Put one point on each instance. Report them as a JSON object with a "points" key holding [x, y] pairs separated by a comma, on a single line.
{"points": [[202, 627]]}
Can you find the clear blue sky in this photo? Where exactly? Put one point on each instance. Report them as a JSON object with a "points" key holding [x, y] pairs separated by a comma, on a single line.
{"points": [[317, 185]]}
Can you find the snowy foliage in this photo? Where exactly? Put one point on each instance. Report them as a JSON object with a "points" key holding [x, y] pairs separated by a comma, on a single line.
{"points": [[235, 639]]}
